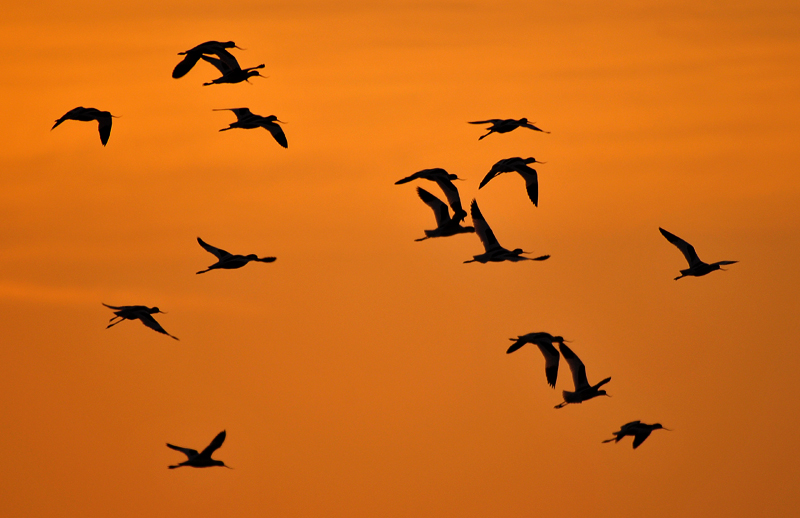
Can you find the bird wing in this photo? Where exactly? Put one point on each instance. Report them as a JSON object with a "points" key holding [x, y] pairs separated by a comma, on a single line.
{"points": [[226, 57], [277, 133], [223, 67], [114, 307], [218, 252], [576, 366], [531, 181], [488, 121], [215, 444], [186, 451], [440, 209], [551, 360], [518, 342], [491, 174], [104, 126], [186, 64], [150, 322], [640, 436], [531, 126], [453, 198], [686, 249], [482, 228]]}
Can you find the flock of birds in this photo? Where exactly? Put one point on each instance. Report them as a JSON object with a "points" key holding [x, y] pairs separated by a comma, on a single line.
{"points": [[216, 53]]}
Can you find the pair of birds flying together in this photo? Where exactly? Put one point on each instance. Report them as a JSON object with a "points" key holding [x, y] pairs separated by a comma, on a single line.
{"points": [[583, 390], [224, 61], [225, 260]]}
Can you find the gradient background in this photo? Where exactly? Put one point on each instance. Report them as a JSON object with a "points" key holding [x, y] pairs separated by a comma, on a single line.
{"points": [[364, 374]]}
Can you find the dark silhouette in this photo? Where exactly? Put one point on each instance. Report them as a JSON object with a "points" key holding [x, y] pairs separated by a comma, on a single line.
{"points": [[231, 71], [506, 125], [202, 459], [518, 165], [545, 343], [90, 114], [246, 119], [494, 252], [444, 180], [697, 268], [210, 47], [142, 313], [583, 391], [445, 226], [638, 430], [230, 261]]}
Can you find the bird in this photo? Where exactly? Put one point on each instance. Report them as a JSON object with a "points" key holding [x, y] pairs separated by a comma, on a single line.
{"points": [[518, 165], [202, 459], [640, 431], [246, 119], [142, 313], [445, 181], [230, 70], [545, 343], [493, 251], [445, 225], [697, 268], [506, 125], [583, 391], [229, 261], [90, 114], [193, 55]]}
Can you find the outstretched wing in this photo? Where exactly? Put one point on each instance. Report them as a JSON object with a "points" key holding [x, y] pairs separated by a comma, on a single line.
{"points": [[150, 322], [489, 121], [576, 366], [531, 181], [188, 62], [218, 252], [482, 228], [186, 451], [551, 360], [277, 133], [440, 209], [686, 249], [453, 198], [640, 436], [104, 127], [531, 126], [223, 67], [215, 444]]}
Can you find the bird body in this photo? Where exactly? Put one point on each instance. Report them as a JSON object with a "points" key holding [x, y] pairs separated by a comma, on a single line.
{"points": [[193, 55], [445, 225], [229, 261], [517, 165], [202, 459], [445, 181], [142, 313], [583, 391], [697, 268], [89, 114], [246, 119], [545, 343], [506, 125], [493, 251], [638, 430]]}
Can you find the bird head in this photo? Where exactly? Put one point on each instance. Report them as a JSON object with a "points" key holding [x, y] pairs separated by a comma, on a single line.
{"points": [[229, 45], [156, 310], [658, 426]]}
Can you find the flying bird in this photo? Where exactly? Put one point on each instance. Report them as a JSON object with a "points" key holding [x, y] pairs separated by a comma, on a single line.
{"points": [[445, 181], [229, 261], [89, 114], [517, 165], [218, 48], [506, 125], [697, 268], [493, 251], [445, 225], [583, 391], [142, 313], [230, 70], [545, 343], [246, 119], [638, 430], [202, 459]]}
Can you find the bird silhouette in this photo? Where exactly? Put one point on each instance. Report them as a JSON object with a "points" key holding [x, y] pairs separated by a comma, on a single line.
{"points": [[493, 251], [517, 165], [142, 313], [697, 268], [445, 181], [445, 225], [218, 48], [583, 391], [202, 459], [90, 114], [545, 343], [229, 261], [230, 70], [246, 119], [506, 125], [638, 430]]}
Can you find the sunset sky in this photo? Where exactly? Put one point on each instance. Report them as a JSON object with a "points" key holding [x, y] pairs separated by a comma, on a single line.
{"points": [[364, 374]]}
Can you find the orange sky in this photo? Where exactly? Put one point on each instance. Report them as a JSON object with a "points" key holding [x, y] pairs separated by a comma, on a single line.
{"points": [[364, 374]]}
